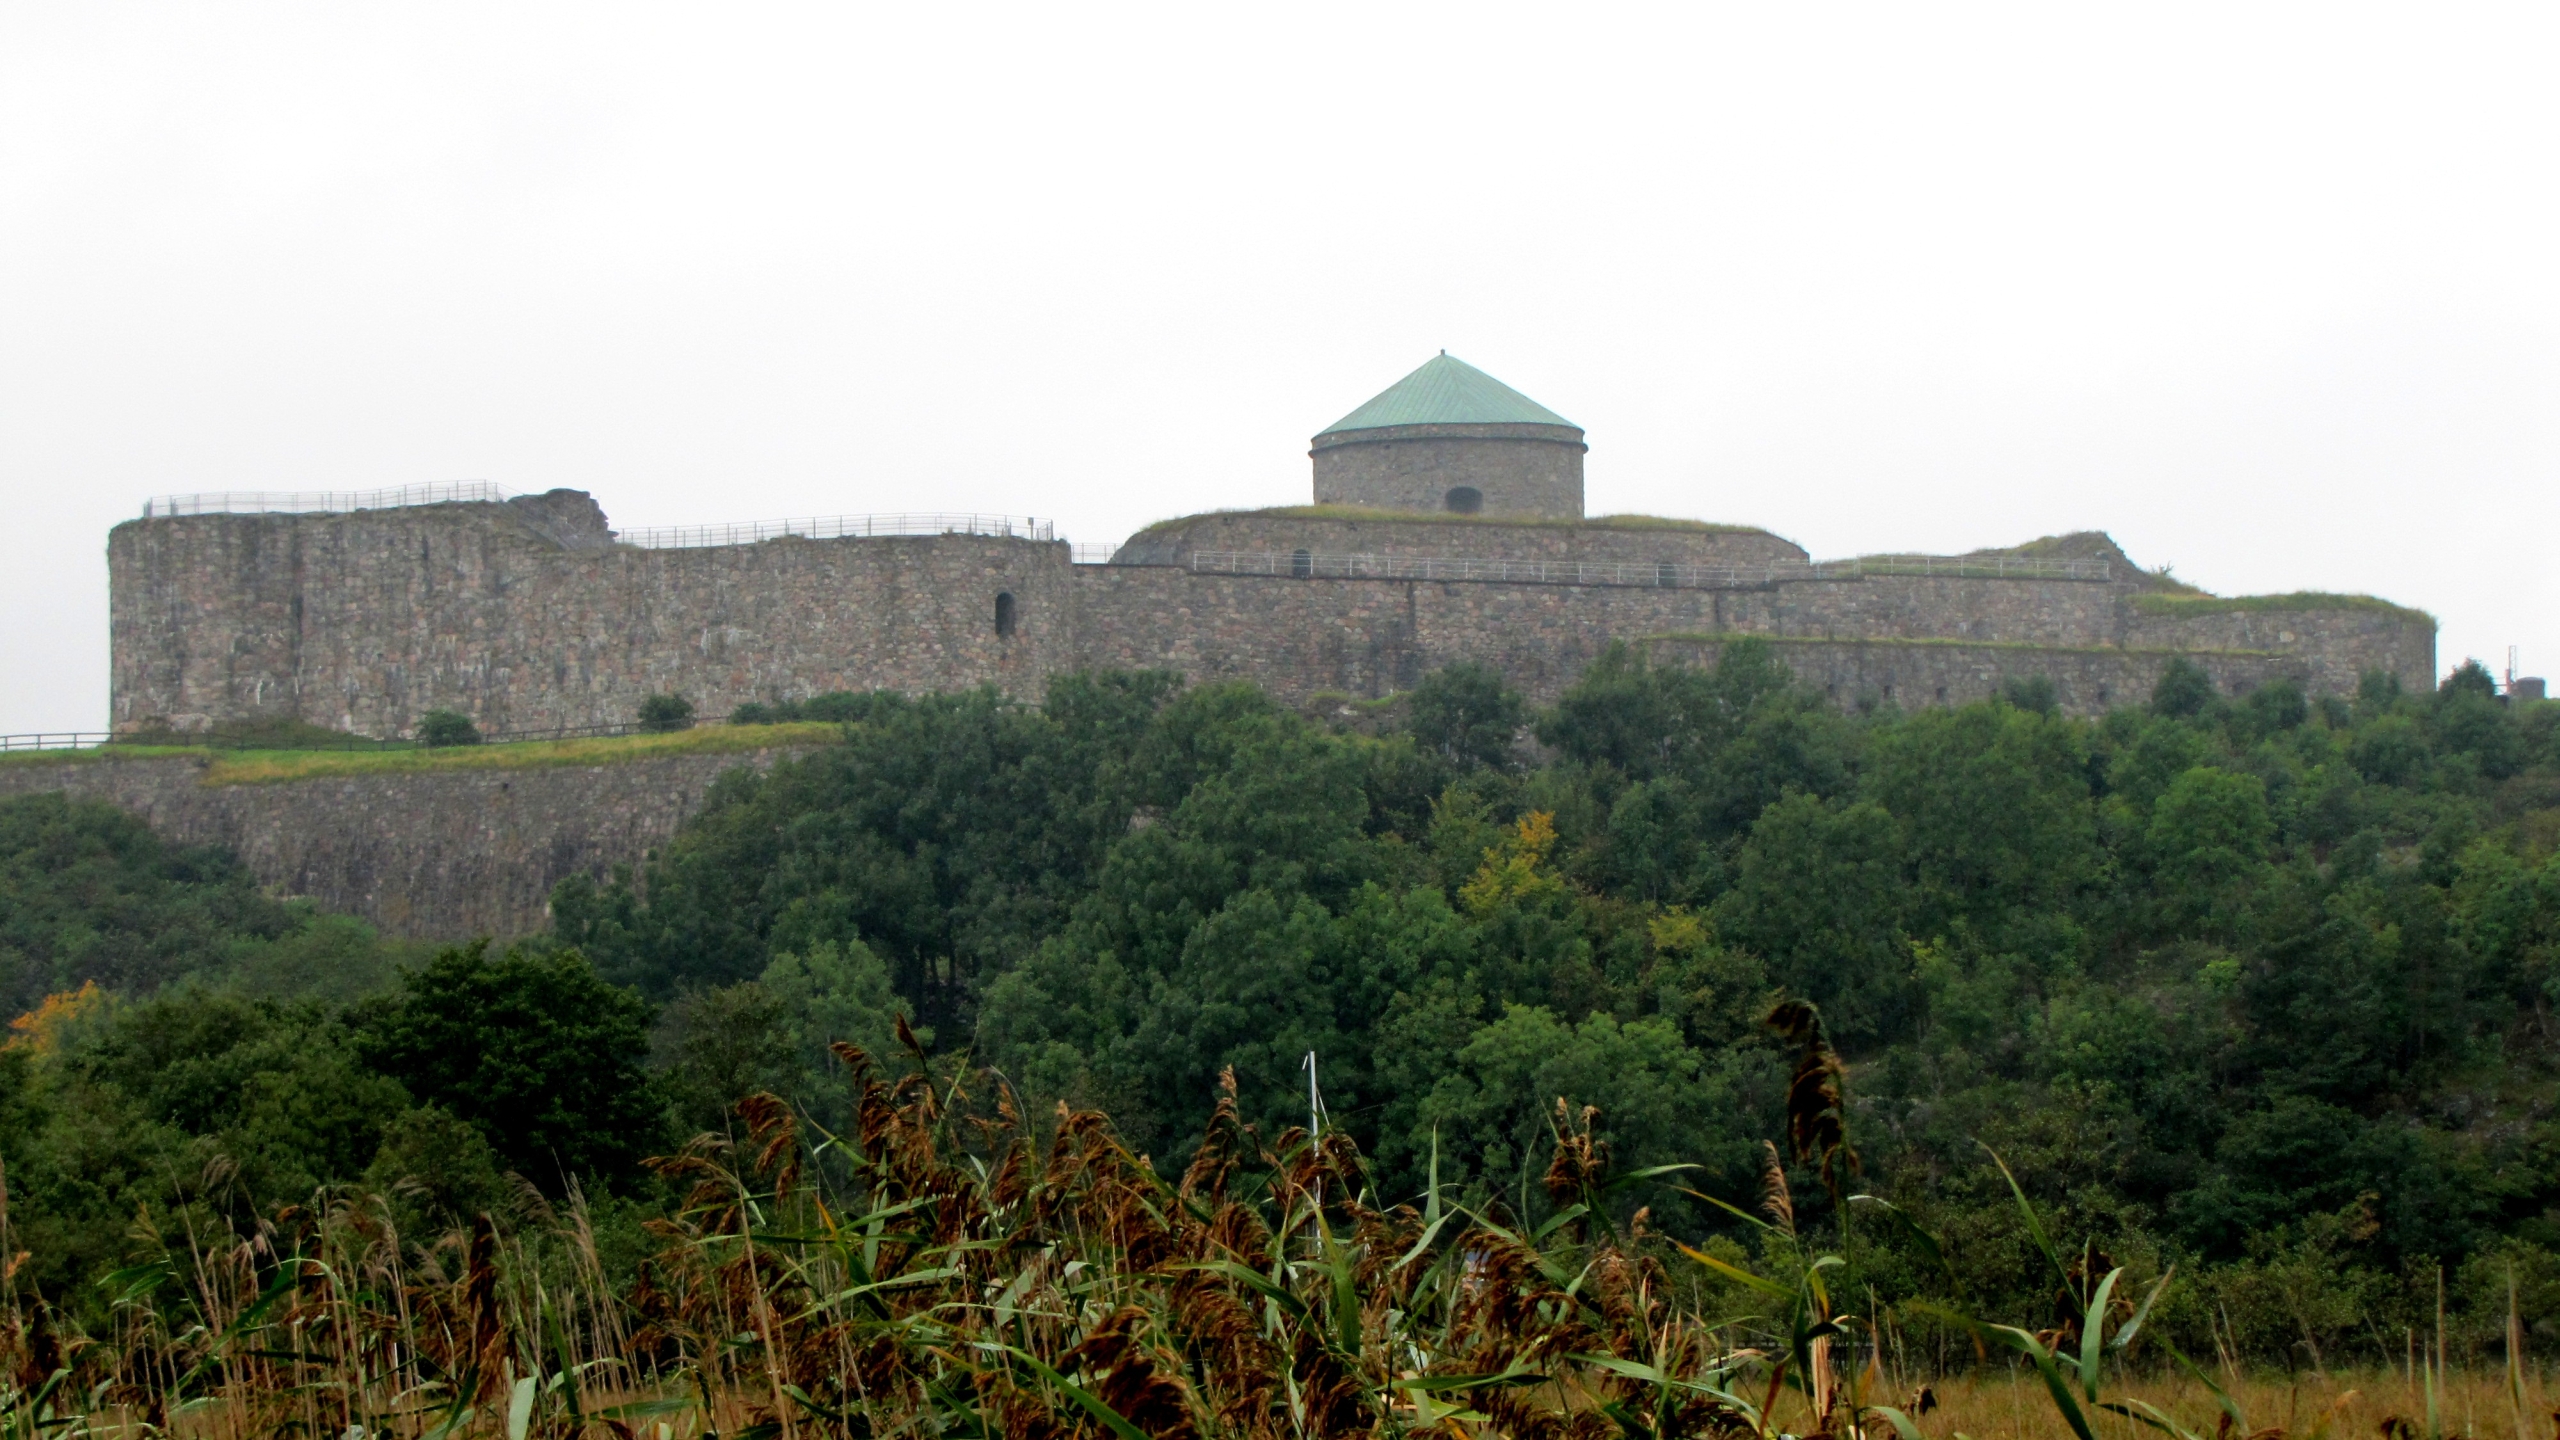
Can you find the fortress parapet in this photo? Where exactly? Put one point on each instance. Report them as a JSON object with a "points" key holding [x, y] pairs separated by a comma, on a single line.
{"points": [[363, 611]]}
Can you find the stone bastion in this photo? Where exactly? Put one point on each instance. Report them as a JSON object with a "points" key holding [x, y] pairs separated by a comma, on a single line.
{"points": [[532, 612]]}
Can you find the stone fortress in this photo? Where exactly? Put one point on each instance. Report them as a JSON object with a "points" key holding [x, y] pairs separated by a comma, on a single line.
{"points": [[1448, 525]]}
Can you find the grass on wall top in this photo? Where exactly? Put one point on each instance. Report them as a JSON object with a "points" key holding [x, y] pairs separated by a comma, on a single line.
{"points": [[1434, 517], [1940, 642], [2182, 606], [262, 767]]}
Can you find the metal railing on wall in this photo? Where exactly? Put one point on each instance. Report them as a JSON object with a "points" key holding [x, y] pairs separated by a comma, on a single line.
{"points": [[1309, 565], [667, 537], [55, 740], [1089, 554], [838, 527], [316, 502], [1978, 567]]}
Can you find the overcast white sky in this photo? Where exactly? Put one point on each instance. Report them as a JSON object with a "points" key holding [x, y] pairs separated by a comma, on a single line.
{"points": [[2270, 292]]}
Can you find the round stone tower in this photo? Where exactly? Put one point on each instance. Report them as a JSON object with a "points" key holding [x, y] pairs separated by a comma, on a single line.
{"points": [[1451, 438]]}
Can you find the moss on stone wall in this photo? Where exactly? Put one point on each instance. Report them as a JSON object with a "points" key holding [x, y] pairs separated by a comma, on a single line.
{"points": [[2184, 606]]}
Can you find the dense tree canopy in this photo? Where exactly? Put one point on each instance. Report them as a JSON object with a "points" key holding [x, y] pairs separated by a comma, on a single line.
{"points": [[2246, 981], [537, 1053]]}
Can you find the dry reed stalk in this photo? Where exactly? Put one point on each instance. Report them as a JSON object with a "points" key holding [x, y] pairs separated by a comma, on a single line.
{"points": [[923, 1274]]}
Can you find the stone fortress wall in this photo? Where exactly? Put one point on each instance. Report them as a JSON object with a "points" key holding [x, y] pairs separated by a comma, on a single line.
{"points": [[1449, 527], [432, 854], [1517, 470], [366, 620]]}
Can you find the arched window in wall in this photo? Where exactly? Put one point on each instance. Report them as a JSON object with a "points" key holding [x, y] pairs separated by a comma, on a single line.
{"points": [[1465, 500], [1004, 615], [1301, 564]]}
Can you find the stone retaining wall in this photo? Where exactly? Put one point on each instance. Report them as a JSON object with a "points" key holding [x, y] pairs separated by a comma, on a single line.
{"points": [[1915, 674], [2335, 643], [1297, 638], [444, 854]]}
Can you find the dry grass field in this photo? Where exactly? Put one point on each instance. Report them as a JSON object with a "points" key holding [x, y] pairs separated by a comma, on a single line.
{"points": [[2010, 1403]]}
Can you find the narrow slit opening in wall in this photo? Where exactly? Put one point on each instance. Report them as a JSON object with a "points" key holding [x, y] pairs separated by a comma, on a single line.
{"points": [[1004, 614]]}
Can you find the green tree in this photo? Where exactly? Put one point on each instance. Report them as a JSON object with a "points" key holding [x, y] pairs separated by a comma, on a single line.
{"points": [[1819, 895], [949, 834], [1647, 720], [1995, 809], [836, 991], [2030, 692], [715, 1047], [1659, 1102], [1466, 715], [2469, 719], [533, 1049], [2208, 838], [2183, 690]]}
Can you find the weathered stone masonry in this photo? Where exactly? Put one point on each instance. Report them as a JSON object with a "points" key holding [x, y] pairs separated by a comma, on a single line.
{"points": [[365, 620], [435, 854], [529, 613]]}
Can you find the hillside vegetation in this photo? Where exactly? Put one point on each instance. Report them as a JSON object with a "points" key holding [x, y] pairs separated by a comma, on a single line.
{"points": [[2259, 988]]}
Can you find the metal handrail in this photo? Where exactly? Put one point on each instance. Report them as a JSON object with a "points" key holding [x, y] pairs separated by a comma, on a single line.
{"points": [[838, 527], [1982, 566], [668, 537], [1309, 565], [322, 502], [1092, 554], [55, 740]]}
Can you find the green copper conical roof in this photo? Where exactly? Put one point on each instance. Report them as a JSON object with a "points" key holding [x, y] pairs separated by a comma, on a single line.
{"points": [[1447, 392]]}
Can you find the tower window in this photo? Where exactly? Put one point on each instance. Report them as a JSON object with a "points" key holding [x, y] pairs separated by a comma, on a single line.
{"points": [[1004, 614], [1301, 564], [1465, 500]]}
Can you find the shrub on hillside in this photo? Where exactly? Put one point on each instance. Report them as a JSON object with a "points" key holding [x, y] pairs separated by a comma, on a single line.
{"points": [[660, 713], [438, 728]]}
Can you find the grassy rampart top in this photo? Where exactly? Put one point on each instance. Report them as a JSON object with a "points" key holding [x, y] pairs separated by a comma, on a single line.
{"points": [[1938, 642], [262, 767], [2300, 600], [1428, 517]]}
